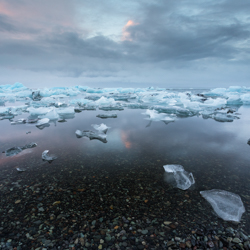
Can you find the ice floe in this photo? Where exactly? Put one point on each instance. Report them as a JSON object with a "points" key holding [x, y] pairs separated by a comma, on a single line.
{"points": [[178, 177], [160, 103], [226, 205], [16, 150], [103, 128], [47, 157], [91, 135]]}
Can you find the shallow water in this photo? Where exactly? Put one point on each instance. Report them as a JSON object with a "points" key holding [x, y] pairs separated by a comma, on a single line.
{"points": [[125, 176]]}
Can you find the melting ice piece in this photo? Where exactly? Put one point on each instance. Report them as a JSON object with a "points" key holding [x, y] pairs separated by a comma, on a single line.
{"points": [[91, 135], [20, 170], [104, 116], [248, 142], [101, 128], [42, 122], [173, 168], [153, 115], [220, 117], [47, 157], [178, 177], [19, 121], [16, 150], [226, 205]]}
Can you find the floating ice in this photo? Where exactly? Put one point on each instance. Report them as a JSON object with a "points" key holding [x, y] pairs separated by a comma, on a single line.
{"points": [[42, 122], [16, 150], [36, 96], [226, 205], [104, 116], [220, 117], [91, 135], [48, 158], [248, 142], [101, 128], [178, 177], [155, 116], [19, 121], [38, 111], [51, 115]]}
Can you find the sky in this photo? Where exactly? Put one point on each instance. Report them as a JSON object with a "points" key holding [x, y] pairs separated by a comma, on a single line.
{"points": [[132, 43]]}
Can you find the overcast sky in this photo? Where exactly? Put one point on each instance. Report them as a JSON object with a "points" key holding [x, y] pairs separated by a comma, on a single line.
{"points": [[132, 43]]}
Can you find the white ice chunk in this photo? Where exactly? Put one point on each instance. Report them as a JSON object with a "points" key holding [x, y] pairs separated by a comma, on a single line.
{"points": [[173, 168], [222, 117], [105, 101], [47, 157], [52, 115], [234, 100], [91, 135], [226, 205], [103, 128], [177, 176], [153, 115], [66, 111], [245, 98], [38, 111], [42, 121]]}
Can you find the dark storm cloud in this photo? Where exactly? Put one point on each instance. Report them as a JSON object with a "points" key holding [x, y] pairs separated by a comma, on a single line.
{"points": [[163, 34]]}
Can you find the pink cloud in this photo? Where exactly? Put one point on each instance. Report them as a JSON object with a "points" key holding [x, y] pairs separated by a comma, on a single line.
{"points": [[126, 36]]}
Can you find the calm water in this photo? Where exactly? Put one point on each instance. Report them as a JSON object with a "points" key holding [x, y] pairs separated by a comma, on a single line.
{"points": [[216, 153]]}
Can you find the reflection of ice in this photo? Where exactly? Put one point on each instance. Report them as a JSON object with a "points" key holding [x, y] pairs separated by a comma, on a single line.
{"points": [[91, 135], [178, 177], [227, 205], [43, 123], [47, 157]]}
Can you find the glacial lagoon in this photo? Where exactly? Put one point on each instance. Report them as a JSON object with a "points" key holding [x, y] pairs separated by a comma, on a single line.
{"points": [[106, 187]]}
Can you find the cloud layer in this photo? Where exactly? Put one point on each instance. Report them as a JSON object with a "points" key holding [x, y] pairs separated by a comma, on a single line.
{"points": [[142, 42]]}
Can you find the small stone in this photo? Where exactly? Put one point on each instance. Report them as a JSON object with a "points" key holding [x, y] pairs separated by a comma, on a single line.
{"points": [[101, 241], [188, 244], [182, 245], [100, 246], [144, 231], [236, 240], [18, 201], [177, 239], [56, 203], [167, 222], [210, 244]]}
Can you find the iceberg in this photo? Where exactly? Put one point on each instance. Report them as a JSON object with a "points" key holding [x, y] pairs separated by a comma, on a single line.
{"points": [[178, 177], [91, 135], [226, 205], [42, 121], [221, 117], [51, 115], [103, 128], [104, 116], [47, 157], [16, 150]]}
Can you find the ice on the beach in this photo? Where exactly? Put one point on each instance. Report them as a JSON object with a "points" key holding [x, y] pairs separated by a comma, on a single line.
{"points": [[178, 177], [104, 116], [103, 128], [173, 168], [91, 135], [16, 150], [20, 170], [226, 205], [47, 157]]}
